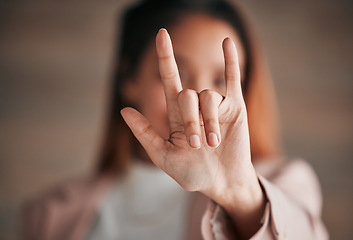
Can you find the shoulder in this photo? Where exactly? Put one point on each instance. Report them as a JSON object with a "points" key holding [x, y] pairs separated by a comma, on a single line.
{"points": [[67, 192], [57, 210], [297, 179]]}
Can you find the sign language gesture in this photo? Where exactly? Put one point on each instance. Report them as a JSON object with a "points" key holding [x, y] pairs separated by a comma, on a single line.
{"points": [[208, 149]]}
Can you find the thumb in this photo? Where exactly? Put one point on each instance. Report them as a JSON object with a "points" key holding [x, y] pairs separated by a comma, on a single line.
{"points": [[141, 128]]}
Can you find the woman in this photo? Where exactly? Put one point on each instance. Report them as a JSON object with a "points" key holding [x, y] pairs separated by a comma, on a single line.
{"points": [[192, 122]]}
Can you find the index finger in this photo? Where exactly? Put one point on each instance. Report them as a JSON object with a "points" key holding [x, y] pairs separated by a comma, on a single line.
{"points": [[167, 66], [232, 71]]}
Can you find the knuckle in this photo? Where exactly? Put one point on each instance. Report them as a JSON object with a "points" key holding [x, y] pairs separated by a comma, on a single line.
{"points": [[210, 121], [187, 93], [146, 129], [209, 95], [170, 75], [191, 124], [231, 76], [231, 62], [164, 56]]}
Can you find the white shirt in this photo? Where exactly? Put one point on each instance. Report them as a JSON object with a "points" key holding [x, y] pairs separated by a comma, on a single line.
{"points": [[147, 204]]}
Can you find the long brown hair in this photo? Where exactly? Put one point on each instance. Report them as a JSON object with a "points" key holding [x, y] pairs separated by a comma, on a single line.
{"points": [[140, 24]]}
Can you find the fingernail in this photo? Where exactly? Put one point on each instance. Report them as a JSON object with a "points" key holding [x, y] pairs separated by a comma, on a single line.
{"points": [[195, 141], [213, 139]]}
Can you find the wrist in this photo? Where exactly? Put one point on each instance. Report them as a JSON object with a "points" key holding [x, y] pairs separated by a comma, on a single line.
{"points": [[242, 199], [245, 205]]}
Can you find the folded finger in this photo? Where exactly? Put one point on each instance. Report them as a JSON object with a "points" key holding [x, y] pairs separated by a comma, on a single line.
{"points": [[209, 103], [189, 107]]}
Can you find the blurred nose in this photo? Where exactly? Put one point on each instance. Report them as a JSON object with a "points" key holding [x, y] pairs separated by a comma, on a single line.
{"points": [[199, 82]]}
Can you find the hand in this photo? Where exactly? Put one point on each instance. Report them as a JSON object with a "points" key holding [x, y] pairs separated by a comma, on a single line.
{"points": [[208, 149]]}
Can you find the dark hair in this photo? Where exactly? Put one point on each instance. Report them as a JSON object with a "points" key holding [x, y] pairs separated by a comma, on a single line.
{"points": [[140, 24]]}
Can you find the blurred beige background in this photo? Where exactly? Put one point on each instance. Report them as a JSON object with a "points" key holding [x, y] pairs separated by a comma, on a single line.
{"points": [[55, 64]]}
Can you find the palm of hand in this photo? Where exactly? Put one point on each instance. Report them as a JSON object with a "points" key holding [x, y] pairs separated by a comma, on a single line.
{"points": [[201, 169]]}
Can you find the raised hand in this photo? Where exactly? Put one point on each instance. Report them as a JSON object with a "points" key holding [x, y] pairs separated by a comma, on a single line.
{"points": [[208, 149]]}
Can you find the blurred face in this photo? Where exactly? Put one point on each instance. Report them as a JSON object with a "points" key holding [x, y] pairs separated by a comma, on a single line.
{"points": [[197, 42]]}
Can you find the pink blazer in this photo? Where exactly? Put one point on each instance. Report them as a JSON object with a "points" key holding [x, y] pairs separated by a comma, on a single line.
{"points": [[292, 211]]}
